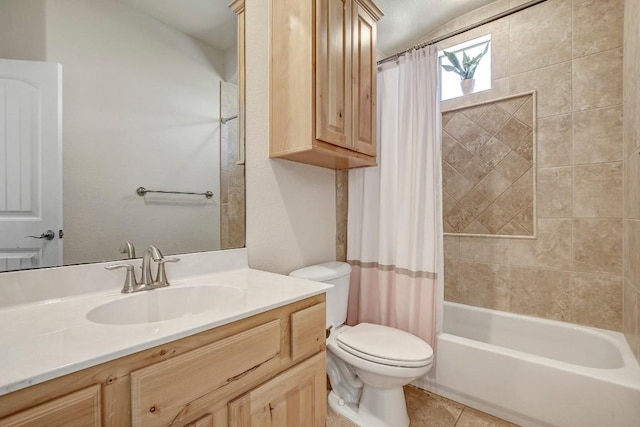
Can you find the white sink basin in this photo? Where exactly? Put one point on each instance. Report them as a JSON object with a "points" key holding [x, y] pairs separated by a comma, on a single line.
{"points": [[167, 303]]}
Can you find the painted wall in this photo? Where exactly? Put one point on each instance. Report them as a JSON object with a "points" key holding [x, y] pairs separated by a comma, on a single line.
{"points": [[631, 155], [570, 53], [291, 219], [141, 108], [23, 30]]}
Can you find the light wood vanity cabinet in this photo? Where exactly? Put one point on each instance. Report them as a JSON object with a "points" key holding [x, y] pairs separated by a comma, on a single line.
{"points": [[257, 371], [323, 82]]}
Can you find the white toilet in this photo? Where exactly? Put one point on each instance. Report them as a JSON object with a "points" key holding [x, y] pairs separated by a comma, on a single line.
{"points": [[367, 364]]}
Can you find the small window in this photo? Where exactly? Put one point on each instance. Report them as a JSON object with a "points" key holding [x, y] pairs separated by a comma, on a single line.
{"points": [[450, 81]]}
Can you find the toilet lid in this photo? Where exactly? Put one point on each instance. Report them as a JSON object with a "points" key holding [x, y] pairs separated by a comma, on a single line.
{"points": [[385, 345]]}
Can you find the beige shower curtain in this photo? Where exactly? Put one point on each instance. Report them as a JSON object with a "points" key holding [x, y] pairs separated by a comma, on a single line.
{"points": [[395, 224]]}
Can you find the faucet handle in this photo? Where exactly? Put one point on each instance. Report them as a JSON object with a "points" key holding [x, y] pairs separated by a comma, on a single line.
{"points": [[161, 275], [130, 281]]}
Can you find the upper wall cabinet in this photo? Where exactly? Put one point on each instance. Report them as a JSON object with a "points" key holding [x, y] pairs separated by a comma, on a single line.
{"points": [[323, 82]]}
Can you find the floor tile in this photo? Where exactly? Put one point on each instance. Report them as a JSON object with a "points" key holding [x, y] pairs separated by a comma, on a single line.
{"points": [[430, 410]]}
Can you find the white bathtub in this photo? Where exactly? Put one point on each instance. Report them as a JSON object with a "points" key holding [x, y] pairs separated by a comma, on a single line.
{"points": [[535, 372]]}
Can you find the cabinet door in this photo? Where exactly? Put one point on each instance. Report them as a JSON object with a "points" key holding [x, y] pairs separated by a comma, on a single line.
{"points": [[333, 70], [81, 409], [364, 81], [295, 398]]}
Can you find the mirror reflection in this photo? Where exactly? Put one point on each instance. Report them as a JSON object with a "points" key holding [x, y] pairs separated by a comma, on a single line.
{"points": [[144, 95]]}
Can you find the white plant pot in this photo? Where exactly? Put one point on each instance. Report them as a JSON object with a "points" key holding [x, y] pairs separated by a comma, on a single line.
{"points": [[467, 86]]}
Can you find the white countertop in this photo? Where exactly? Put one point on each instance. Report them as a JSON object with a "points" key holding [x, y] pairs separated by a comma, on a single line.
{"points": [[47, 339]]}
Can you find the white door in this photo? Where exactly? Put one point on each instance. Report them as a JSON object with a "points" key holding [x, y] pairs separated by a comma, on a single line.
{"points": [[30, 164]]}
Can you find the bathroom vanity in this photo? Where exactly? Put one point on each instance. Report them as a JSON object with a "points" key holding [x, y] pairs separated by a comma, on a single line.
{"points": [[257, 362]]}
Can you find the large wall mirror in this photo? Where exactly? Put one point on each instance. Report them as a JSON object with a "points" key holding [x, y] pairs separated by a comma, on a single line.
{"points": [[146, 95]]}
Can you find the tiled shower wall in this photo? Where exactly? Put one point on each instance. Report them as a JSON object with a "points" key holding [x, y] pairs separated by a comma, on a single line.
{"points": [[570, 53], [631, 132], [487, 168], [232, 202]]}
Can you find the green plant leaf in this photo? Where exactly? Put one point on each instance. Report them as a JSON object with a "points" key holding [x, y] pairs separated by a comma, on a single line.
{"points": [[449, 68], [467, 69]]}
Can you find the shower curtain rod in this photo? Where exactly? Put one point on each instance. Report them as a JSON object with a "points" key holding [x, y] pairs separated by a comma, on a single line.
{"points": [[463, 30]]}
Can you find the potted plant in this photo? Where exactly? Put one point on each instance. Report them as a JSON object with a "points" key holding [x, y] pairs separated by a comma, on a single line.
{"points": [[466, 70]]}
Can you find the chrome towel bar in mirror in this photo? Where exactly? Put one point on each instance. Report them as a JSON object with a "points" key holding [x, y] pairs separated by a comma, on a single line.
{"points": [[141, 191]]}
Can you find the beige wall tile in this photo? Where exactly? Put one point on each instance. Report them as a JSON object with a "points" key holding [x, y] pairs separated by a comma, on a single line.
{"points": [[476, 228], [554, 141], [632, 186], [458, 125], [630, 314], [597, 135], [499, 89], [492, 119], [526, 219], [513, 166], [475, 170], [459, 218], [596, 25], [597, 190], [474, 202], [511, 105], [500, 60], [483, 285], [513, 132], [451, 291], [514, 229], [490, 250], [552, 84], [555, 189], [552, 248], [448, 203], [629, 134], [541, 292], [494, 218], [596, 300], [493, 185], [525, 113], [493, 152], [525, 149], [518, 196], [455, 184], [474, 113], [457, 156], [597, 245], [451, 247], [631, 230], [540, 36], [597, 80]]}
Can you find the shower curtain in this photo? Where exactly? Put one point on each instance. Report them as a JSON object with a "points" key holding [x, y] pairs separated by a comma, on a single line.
{"points": [[394, 242]]}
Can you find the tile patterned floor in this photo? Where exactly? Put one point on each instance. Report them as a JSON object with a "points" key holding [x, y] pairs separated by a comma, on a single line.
{"points": [[430, 410]]}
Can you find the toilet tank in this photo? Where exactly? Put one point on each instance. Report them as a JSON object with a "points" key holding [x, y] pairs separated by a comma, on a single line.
{"points": [[336, 274]]}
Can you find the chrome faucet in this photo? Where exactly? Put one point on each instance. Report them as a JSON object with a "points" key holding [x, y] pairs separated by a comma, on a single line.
{"points": [[151, 253], [128, 249], [147, 281]]}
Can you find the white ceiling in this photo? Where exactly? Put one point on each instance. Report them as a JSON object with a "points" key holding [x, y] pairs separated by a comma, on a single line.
{"points": [[404, 21], [210, 21]]}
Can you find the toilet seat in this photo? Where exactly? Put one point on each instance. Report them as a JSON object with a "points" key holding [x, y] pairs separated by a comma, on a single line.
{"points": [[385, 345]]}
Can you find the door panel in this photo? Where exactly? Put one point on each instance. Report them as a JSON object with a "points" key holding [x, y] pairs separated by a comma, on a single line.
{"points": [[333, 69], [364, 81], [30, 164], [295, 398]]}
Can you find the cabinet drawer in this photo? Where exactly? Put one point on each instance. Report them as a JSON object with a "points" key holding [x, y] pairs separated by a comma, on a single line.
{"points": [[81, 408], [161, 391], [308, 332]]}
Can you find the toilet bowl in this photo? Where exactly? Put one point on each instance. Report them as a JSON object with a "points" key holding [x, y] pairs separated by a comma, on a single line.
{"points": [[367, 364]]}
